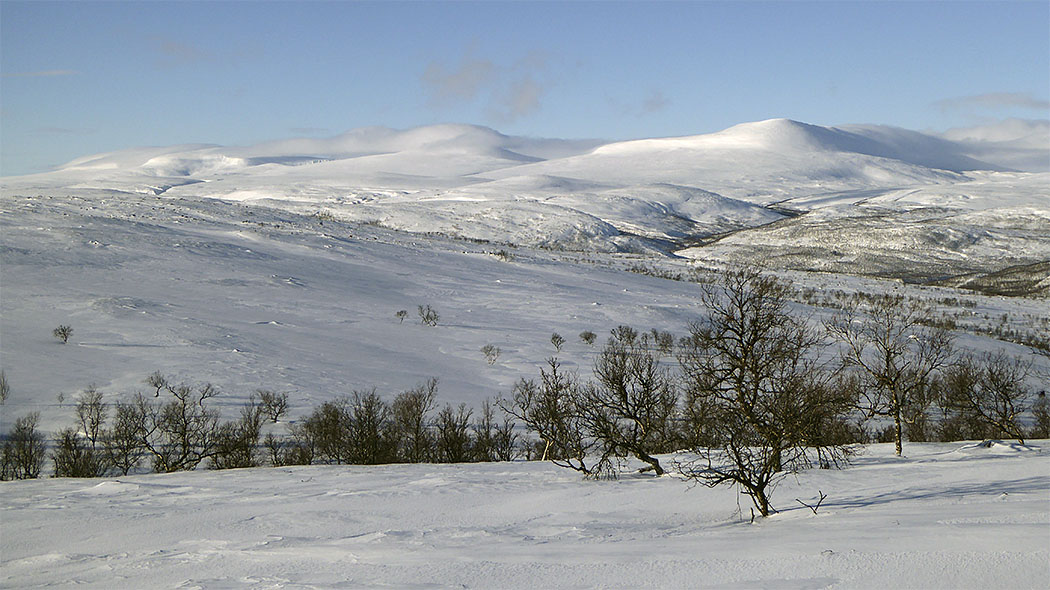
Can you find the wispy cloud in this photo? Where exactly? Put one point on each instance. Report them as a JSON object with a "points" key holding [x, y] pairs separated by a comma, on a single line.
{"points": [[994, 100], [460, 83], [65, 130], [655, 102], [309, 130], [173, 53], [41, 74], [509, 91]]}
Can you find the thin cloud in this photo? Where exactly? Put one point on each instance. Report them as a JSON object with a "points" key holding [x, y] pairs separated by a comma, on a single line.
{"points": [[42, 74], [994, 100], [172, 53], [509, 91], [308, 130], [462, 83], [655, 102], [65, 130], [519, 99]]}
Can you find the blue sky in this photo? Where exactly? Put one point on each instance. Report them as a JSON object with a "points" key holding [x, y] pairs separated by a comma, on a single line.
{"points": [[83, 77]]}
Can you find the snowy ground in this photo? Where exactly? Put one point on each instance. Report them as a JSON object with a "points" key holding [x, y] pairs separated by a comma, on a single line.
{"points": [[946, 516], [251, 268]]}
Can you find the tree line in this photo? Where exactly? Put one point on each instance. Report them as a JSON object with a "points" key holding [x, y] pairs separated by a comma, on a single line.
{"points": [[754, 391]]}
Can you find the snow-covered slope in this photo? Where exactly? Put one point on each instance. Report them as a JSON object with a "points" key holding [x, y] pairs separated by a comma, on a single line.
{"points": [[947, 516], [637, 195]]}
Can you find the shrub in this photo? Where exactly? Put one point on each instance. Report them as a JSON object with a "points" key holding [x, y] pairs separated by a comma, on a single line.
{"points": [[62, 333], [428, 316], [491, 353]]}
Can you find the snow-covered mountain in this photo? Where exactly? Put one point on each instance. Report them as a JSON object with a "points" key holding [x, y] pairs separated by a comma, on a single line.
{"points": [[864, 199]]}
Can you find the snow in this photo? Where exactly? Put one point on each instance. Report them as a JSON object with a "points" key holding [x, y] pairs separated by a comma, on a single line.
{"points": [[282, 265], [945, 516]]}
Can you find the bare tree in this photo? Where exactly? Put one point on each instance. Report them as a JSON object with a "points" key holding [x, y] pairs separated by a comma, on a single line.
{"points": [[410, 413], [558, 341], [752, 367], [401, 315], [553, 410], [237, 441], [631, 408], [181, 433], [74, 456], [274, 405], [371, 436], [24, 450], [452, 442], [123, 440], [992, 389], [896, 355], [5, 387], [1041, 412], [62, 333]]}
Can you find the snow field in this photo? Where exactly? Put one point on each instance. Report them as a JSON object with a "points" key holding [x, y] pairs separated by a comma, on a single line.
{"points": [[945, 516]]}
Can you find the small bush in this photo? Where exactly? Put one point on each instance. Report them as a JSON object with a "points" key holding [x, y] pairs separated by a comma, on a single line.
{"points": [[62, 333], [588, 337], [401, 315], [491, 353], [428, 316]]}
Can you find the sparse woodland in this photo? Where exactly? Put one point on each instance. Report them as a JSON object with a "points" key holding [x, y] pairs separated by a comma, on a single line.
{"points": [[750, 394]]}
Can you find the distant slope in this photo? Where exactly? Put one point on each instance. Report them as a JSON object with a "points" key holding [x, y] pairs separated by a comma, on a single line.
{"points": [[634, 196]]}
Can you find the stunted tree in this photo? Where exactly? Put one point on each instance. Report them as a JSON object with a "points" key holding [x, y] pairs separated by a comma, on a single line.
{"points": [[24, 450], [274, 405], [410, 413], [179, 434], [124, 439], [5, 387], [991, 390], [630, 410], [553, 410], [752, 367], [896, 355], [81, 452], [452, 440], [237, 441], [370, 440], [63, 333]]}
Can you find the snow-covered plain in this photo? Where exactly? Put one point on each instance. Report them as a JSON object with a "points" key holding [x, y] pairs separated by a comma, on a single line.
{"points": [[281, 266], [946, 516]]}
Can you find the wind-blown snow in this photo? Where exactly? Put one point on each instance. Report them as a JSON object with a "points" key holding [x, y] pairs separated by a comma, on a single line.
{"points": [[946, 516]]}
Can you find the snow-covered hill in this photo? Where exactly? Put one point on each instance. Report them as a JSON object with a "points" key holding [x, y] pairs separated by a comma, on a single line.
{"points": [[633, 196]]}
